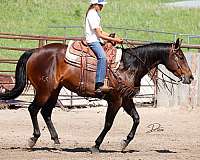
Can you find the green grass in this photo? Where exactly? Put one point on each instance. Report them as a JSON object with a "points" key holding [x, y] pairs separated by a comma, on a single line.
{"points": [[35, 17]]}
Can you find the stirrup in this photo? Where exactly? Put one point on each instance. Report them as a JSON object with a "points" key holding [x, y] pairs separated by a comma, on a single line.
{"points": [[105, 88]]}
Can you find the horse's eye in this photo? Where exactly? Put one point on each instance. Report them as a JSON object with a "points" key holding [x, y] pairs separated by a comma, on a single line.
{"points": [[179, 56]]}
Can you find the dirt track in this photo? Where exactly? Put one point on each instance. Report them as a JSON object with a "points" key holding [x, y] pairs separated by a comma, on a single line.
{"points": [[177, 139]]}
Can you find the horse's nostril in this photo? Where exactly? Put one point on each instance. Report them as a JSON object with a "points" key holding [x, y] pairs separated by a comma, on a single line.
{"points": [[191, 78]]}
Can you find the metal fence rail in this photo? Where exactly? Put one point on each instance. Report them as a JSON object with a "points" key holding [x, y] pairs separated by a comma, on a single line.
{"points": [[125, 33], [41, 40]]}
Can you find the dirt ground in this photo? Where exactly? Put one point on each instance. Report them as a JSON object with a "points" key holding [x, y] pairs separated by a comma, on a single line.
{"points": [[176, 135]]}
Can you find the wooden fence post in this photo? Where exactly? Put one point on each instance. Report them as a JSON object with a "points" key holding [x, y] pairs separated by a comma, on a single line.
{"points": [[41, 43]]}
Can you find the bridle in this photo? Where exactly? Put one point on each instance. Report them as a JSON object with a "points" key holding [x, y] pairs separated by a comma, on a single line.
{"points": [[174, 51]]}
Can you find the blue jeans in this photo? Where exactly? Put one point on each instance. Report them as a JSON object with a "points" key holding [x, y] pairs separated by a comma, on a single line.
{"points": [[101, 61]]}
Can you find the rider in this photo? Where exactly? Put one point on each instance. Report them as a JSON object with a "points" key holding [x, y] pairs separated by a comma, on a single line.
{"points": [[94, 34]]}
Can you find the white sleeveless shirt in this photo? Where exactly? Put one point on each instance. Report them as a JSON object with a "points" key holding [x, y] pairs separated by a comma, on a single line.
{"points": [[92, 22]]}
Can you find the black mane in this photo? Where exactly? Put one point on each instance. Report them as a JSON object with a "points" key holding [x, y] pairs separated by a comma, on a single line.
{"points": [[145, 55]]}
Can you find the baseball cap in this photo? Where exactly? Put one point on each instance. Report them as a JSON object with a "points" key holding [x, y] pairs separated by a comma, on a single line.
{"points": [[98, 2]]}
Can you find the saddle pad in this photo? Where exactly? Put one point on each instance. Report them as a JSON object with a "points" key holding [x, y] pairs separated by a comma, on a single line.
{"points": [[75, 57]]}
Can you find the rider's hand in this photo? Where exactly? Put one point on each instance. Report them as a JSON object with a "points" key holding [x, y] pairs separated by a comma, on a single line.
{"points": [[119, 40]]}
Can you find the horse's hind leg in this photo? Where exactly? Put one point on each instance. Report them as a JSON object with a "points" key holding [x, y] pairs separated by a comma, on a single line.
{"points": [[33, 110], [113, 108], [46, 113], [129, 107], [38, 102]]}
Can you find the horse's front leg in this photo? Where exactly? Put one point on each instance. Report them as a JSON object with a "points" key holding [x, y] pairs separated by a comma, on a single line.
{"points": [[113, 107], [129, 107]]}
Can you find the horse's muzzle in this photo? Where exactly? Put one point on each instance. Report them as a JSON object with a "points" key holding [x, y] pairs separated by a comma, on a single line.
{"points": [[187, 79]]}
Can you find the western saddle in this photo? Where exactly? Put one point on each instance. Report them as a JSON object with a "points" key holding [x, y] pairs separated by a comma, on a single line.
{"points": [[80, 55]]}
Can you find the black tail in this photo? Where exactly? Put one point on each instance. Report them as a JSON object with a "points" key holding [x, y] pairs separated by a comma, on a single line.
{"points": [[20, 78]]}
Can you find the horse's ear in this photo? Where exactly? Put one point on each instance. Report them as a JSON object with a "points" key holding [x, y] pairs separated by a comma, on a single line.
{"points": [[181, 42], [178, 43]]}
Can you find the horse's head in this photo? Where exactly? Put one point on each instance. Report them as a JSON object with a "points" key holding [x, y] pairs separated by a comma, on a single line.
{"points": [[177, 63]]}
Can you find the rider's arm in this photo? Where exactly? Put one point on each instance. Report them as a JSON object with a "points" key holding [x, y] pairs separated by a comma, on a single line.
{"points": [[105, 36]]}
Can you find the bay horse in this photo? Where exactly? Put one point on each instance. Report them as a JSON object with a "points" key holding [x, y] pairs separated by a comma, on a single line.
{"points": [[47, 71]]}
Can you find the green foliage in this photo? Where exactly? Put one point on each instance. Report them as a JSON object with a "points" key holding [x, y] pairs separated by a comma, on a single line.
{"points": [[41, 16], [34, 16]]}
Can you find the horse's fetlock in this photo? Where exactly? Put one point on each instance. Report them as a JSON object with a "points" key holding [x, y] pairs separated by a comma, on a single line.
{"points": [[137, 120], [36, 135]]}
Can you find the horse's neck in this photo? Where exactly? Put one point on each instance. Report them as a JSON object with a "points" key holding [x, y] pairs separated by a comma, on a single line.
{"points": [[139, 64], [150, 61]]}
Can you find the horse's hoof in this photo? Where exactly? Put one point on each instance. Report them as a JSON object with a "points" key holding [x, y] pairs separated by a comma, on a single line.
{"points": [[123, 145], [94, 149], [31, 142], [57, 146]]}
